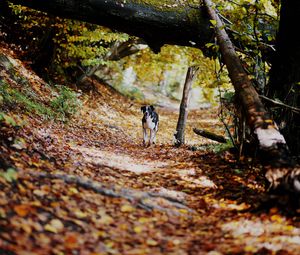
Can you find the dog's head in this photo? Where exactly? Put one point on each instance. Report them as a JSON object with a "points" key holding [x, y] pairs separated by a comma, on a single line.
{"points": [[147, 110]]}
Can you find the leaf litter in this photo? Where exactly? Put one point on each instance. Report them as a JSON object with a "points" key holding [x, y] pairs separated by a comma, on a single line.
{"points": [[88, 186]]}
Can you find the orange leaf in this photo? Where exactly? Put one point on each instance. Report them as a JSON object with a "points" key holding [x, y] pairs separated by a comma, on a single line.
{"points": [[22, 210], [71, 241]]}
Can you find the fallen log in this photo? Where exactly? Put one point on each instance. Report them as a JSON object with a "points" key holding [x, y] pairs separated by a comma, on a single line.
{"points": [[157, 23], [210, 135]]}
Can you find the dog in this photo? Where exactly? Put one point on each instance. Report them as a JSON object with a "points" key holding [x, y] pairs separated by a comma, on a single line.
{"points": [[149, 121]]}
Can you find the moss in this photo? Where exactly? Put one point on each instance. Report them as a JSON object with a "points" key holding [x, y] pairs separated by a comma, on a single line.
{"points": [[168, 5], [195, 16]]}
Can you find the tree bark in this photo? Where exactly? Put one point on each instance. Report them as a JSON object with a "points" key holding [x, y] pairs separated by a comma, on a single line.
{"points": [[157, 24], [183, 112], [285, 75]]}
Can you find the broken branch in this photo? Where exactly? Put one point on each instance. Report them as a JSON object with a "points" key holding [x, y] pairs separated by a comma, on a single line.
{"points": [[210, 135]]}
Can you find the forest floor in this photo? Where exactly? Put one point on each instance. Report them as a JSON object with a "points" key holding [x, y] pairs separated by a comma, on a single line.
{"points": [[87, 186]]}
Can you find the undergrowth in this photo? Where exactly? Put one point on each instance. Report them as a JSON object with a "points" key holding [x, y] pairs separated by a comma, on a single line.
{"points": [[63, 104], [66, 103]]}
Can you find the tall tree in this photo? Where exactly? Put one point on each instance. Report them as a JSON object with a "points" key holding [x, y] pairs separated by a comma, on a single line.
{"points": [[285, 74]]}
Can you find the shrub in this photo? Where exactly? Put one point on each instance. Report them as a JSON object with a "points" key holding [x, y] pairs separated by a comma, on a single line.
{"points": [[66, 103]]}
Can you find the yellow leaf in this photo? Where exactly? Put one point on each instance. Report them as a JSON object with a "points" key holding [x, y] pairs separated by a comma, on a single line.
{"points": [[54, 226], [80, 214], [289, 227], [213, 22], [183, 211], [138, 229], [73, 190], [143, 220], [127, 208], [277, 218], [249, 248], [151, 242]]}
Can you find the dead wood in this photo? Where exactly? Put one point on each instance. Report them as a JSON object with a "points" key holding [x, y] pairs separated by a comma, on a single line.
{"points": [[183, 111], [145, 200], [276, 102], [210, 135]]}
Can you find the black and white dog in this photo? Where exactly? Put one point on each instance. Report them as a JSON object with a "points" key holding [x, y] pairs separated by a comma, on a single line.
{"points": [[149, 121]]}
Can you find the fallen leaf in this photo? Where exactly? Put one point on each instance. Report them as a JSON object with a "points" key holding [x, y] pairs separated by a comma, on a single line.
{"points": [[22, 210], [151, 242], [54, 226], [127, 208], [138, 229], [71, 241]]}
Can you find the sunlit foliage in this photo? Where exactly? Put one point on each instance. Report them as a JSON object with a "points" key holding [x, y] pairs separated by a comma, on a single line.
{"points": [[75, 42], [75, 46]]}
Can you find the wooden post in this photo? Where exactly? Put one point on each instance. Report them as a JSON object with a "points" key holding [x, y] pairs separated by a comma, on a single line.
{"points": [[183, 111]]}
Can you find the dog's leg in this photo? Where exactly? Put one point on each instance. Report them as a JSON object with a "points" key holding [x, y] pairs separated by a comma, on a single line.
{"points": [[145, 136], [152, 136], [154, 133]]}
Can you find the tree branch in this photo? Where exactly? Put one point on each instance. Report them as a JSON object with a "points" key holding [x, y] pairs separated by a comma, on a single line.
{"points": [[210, 135], [294, 109], [146, 200]]}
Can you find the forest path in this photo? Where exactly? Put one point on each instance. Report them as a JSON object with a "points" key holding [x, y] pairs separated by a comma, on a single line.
{"points": [[89, 187]]}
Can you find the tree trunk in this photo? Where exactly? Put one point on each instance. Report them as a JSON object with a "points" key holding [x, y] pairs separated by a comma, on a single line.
{"points": [[183, 112], [157, 24], [285, 75]]}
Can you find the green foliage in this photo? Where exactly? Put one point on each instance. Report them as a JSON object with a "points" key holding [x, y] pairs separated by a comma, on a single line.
{"points": [[65, 103], [133, 93], [7, 119], [253, 25], [221, 147], [9, 175], [214, 147], [170, 66], [228, 96], [13, 97], [75, 43]]}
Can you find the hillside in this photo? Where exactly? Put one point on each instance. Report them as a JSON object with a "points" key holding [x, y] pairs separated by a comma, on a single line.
{"points": [[75, 179]]}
